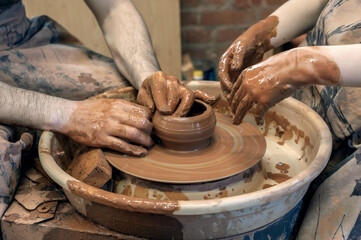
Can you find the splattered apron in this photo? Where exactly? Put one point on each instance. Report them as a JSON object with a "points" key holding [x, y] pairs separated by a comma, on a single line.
{"points": [[39, 55], [334, 211]]}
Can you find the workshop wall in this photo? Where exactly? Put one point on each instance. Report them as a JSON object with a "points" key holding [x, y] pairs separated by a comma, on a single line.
{"points": [[209, 26]]}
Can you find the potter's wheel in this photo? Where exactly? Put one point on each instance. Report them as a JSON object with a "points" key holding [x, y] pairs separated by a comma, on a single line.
{"points": [[296, 137], [233, 149]]}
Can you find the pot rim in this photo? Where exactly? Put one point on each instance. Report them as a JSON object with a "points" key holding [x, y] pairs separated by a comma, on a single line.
{"points": [[208, 111], [227, 204]]}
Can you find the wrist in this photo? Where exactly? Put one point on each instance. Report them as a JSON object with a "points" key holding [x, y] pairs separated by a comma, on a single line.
{"points": [[60, 114], [32, 109], [265, 30], [312, 66], [144, 75]]}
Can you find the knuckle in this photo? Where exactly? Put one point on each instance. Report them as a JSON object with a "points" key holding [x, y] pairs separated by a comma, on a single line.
{"points": [[158, 74], [135, 134], [117, 144], [145, 123]]}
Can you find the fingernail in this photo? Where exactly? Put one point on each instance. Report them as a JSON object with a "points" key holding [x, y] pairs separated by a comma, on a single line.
{"points": [[165, 110], [235, 121], [141, 153], [211, 100]]}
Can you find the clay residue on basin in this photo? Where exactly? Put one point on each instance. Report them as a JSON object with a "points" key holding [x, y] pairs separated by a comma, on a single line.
{"points": [[121, 201], [283, 167], [285, 130], [241, 183], [278, 177]]}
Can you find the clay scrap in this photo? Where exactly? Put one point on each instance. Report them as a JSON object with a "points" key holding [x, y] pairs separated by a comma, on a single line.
{"points": [[32, 194], [91, 167]]}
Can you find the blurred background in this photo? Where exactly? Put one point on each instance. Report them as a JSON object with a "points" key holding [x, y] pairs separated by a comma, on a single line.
{"points": [[189, 36], [209, 26]]}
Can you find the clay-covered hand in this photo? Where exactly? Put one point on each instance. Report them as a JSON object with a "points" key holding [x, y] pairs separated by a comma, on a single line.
{"points": [[169, 95], [276, 78], [245, 51], [110, 123]]}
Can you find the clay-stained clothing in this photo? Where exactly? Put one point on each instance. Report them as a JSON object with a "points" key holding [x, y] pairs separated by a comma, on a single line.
{"points": [[10, 162], [38, 54], [338, 24], [6, 4], [335, 208], [17, 31]]}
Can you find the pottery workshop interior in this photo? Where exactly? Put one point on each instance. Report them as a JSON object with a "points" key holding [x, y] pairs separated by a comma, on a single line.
{"points": [[180, 119]]}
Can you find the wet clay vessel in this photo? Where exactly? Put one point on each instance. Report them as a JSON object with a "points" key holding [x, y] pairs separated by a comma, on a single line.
{"points": [[194, 159], [231, 150], [190, 133]]}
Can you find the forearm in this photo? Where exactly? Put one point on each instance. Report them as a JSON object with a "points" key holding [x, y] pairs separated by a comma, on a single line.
{"points": [[348, 59], [295, 17], [32, 109], [338, 65], [127, 37]]}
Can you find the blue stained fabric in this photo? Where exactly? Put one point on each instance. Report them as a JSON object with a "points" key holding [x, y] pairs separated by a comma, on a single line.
{"points": [[25, 47], [280, 229], [10, 163], [338, 24], [334, 211]]}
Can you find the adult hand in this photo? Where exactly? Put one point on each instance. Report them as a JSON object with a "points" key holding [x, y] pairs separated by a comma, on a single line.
{"points": [[276, 78], [246, 50], [110, 123], [169, 95]]}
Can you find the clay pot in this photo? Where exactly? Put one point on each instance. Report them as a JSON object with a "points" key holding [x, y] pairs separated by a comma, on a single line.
{"points": [[190, 133]]}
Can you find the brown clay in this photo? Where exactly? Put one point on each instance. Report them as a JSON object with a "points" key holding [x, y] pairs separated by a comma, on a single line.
{"points": [[246, 50], [232, 150], [284, 129], [267, 83], [91, 167], [287, 130], [121, 201], [190, 133], [136, 187], [283, 167], [222, 106], [278, 177], [103, 122], [268, 186], [168, 95]]}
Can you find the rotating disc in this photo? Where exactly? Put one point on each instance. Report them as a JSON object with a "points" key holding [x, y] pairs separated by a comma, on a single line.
{"points": [[232, 150]]}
